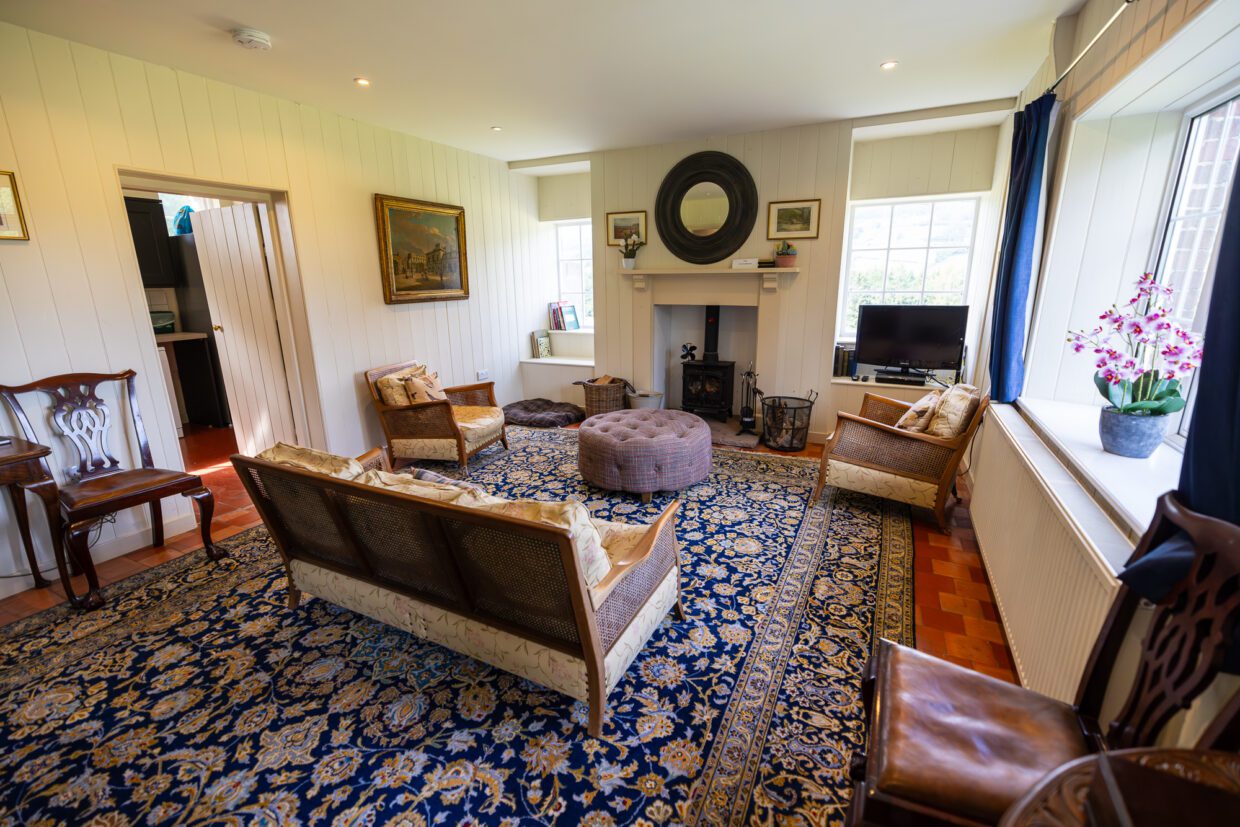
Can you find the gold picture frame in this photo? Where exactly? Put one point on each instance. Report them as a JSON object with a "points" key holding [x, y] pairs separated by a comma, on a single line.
{"points": [[793, 219], [620, 225], [12, 219], [421, 250]]}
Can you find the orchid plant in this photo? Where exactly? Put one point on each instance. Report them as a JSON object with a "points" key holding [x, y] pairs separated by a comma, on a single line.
{"points": [[1142, 357], [630, 246]]}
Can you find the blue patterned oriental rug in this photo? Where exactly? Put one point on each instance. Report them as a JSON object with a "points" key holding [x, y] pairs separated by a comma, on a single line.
{"points": [[196, 696]]}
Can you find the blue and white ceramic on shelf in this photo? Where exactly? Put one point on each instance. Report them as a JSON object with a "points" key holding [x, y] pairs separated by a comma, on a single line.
{"points": [[1131, 435]]}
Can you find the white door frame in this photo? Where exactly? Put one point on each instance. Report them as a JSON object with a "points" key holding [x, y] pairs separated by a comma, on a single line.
{"points": [[284, 275]]}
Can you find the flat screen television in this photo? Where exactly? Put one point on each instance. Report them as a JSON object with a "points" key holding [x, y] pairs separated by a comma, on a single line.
{"points": [[912, 338]]}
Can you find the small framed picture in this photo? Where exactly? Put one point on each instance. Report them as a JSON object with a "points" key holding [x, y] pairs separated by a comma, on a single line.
{"points": [[621, 225], [12, 221], [793, 219]]}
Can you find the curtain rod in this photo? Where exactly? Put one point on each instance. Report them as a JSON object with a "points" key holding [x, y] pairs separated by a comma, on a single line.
{"points": [[1090, 45]]}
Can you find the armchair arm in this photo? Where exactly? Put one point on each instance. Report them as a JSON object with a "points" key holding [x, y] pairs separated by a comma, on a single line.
{"points": [[641, 552], [481, 394], [882, 409], [375, 460], [634, 580], [876, 445], [421, 420]]}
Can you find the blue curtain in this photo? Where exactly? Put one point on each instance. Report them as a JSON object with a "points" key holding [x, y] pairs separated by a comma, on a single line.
{"points": [[1016, 255]]}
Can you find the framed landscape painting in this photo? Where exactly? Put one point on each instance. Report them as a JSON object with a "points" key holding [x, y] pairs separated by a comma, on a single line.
{"points": [[621, 225], [793, 219], [12, 222], [421, 250]]}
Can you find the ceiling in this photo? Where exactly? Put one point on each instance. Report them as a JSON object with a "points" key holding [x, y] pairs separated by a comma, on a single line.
{"points": [[567, 76]]}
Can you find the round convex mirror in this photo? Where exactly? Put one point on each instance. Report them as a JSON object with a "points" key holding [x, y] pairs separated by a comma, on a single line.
{"points": [[704, 208]]}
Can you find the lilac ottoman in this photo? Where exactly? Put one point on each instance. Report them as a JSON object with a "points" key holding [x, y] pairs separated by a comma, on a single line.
{"points": [[644, 451]]}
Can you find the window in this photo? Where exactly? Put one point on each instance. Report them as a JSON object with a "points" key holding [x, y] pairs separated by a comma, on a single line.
{"points": [[173, 203], [574, 252], [1186, 255], [907, 252]]}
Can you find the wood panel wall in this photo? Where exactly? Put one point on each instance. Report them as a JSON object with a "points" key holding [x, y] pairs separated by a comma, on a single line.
{"points": [[934, 164], [71, 298]]}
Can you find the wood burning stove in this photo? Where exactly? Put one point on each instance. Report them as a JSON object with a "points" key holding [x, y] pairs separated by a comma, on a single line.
{"points": [[706, 386]]}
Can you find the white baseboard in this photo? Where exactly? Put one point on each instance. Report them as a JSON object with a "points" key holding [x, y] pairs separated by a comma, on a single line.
{"points": [[110, 548]]}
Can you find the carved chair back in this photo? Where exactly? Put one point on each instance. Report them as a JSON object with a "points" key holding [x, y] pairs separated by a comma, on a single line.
{"points": [[1187, 641], [83, 418]]}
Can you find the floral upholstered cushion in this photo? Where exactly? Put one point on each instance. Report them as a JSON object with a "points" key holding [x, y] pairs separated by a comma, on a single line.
{"points": [[917, 418], [881, 483], [424, 387], [955, 411], [309, 459], [392, 387], [479, 425], [440, 492], [572, 516]]}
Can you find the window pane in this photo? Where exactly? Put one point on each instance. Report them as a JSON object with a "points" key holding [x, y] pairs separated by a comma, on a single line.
{"points": [[852, 309], [903, 298], [947, 269], [953, 223], [906, 269], [587, 275], [944, 298], [587, 248], [870, 227], [910, 225], [569, 241], [570, 276], [867, 271]]}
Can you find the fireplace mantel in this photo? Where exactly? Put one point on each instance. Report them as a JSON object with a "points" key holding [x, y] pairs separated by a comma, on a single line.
{"points": [[768, 275]]}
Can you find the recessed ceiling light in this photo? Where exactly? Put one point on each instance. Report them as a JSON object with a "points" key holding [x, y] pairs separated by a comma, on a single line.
{"points": [[888, 65], [497, 129], [362, 81]]}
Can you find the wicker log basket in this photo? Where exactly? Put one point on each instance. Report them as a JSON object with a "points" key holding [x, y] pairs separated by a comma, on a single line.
{"points": [[604, 394]]}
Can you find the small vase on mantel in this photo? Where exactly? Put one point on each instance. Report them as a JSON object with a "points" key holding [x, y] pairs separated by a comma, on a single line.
{"points": [[628, 251], [629, 263]]}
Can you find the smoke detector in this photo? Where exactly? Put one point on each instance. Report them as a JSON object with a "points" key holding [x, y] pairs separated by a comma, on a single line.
{"points": [[252, 39]]}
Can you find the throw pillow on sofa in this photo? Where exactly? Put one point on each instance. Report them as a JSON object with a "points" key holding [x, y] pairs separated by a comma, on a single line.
{"points": [[917, 418], [467, 496], [310, 459], [955, 411]]}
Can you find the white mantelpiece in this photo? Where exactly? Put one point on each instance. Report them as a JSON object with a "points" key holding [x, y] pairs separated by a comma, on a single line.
{"points": [[762, 288]]}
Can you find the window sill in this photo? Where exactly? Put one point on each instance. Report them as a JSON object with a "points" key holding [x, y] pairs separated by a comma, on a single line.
{"points": [[563, 361], [1128, 489]]}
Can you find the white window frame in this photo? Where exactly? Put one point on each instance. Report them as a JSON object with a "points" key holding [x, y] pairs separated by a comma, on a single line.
{"points": [[587, 251], [842, 309], [1177, 436]]}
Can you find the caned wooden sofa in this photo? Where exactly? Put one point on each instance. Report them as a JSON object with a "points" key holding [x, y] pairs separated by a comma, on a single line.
{"points": [[455, 428], [538, 589]]}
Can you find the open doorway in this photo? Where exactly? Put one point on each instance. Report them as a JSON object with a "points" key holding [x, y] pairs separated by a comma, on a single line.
{"points": [[215, 288]]}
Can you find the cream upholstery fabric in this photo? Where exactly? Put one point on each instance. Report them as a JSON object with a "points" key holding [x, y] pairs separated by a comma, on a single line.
{"points": [[917, 418], [619, 540], [541, 664], [392, 387], [955, 410], [439, 492], [424, 387], [571, 516], [881, 483], [625, 650], [479, 425], [309, 459]]}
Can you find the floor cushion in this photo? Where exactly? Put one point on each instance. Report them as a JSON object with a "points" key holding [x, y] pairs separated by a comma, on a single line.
{"points": [[542, 413]]}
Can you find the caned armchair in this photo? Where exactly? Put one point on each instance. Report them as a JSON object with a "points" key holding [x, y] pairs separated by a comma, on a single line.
{"points": [[455, 428], [868, 453]]}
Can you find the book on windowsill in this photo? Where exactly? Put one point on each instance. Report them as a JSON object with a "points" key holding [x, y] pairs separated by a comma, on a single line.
{"points": [[540, 344]]}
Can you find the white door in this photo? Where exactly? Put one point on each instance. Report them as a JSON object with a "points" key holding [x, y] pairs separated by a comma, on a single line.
{"points": [[234, 272]]}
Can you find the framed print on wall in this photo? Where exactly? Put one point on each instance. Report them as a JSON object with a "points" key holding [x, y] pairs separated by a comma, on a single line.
{"points": [[621, 225], [793, 219], [12, 221], [421, 250]]}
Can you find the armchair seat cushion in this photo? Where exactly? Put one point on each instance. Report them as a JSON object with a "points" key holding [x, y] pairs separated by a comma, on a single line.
{"points": [[80, 496], [881, 483], [960, 741], [479, 425]]}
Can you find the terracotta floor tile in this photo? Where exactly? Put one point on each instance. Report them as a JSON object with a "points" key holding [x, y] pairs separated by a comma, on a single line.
{"points": [[1000, 673], [978, 591], [965, 606], [984, 629], [947, 568], [941, 620], [944, 541], [971, 648]]}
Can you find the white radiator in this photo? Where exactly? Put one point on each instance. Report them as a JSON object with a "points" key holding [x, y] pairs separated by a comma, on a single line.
{"points": [[1052, 585]]}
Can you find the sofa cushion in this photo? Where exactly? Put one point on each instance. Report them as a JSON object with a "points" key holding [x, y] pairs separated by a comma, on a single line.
{"points": [[440, 492], [885, 484], [572, 516], [310, 459], [955, 411], [392, 387], [430, 476], [917, 418], [479, 425], [424, 387]]}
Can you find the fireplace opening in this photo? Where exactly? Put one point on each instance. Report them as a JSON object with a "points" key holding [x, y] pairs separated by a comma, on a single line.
{"points": [[707, 386]]}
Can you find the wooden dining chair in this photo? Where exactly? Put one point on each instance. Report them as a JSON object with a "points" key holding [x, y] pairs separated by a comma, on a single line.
{"points": [[98, 486]]}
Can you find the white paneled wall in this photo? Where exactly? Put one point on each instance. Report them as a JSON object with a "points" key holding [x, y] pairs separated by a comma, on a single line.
{"points": [[934, 164], [794, 163], [71, 297]]}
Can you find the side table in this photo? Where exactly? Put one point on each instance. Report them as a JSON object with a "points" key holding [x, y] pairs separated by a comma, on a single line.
{"points": [[22, 470]]}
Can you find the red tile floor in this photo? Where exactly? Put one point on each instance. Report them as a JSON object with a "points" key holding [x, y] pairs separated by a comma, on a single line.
{"points": [[956, 617]]}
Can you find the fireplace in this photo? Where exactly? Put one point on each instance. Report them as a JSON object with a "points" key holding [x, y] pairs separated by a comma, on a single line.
{"points": [[706, 386]]}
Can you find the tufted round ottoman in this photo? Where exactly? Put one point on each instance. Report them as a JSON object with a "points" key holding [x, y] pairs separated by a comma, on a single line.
{"points": [[644, 451]]}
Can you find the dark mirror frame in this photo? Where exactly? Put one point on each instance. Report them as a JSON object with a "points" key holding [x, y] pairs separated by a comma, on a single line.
{"points": [[735, 180]]}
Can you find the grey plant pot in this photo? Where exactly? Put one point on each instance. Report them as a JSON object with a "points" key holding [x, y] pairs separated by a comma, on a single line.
{"points": [[1130, 435]]}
